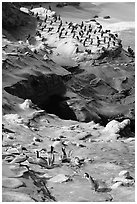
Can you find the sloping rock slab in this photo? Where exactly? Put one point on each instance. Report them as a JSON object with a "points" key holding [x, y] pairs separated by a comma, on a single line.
{"points": [[11, 183], [10, 196], [60, 178]]}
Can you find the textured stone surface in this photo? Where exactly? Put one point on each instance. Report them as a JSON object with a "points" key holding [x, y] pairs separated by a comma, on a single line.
{"points": [[11, 183], [11, 196]]}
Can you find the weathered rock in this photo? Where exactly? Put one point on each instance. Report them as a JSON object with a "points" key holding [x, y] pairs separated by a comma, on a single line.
{"points": [[11, 183], [19, 159], [13, 118], [11, 196], [124, 174], [115, 126], [60, 178], [84, 135], [125, 182], [116, 185], [12, 151], [26, 105]]}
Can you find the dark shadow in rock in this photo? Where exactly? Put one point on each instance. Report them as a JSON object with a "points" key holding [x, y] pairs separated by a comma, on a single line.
{"points": [[104, 190], [56, 105]]}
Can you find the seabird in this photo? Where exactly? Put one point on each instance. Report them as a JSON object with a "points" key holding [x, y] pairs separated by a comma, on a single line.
{"points": [[51, 22], [77, 50], [91, 41], [108, 45], [66, 32], [102, 33], [77, 37], [74, 34], [41, 160], [49, 7], [96, 185], [59, 18], [95, 31], [60, 34], [98, 43], [116, 35]]}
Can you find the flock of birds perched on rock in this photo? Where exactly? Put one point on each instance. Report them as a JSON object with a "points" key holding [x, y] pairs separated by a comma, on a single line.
{"points": [[89, 34]]}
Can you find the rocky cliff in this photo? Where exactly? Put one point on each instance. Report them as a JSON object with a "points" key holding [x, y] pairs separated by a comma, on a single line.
{"points": [[64, 113]]}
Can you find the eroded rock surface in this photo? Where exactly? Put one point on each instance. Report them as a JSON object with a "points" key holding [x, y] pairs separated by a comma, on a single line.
{"points": [[64, 114]]}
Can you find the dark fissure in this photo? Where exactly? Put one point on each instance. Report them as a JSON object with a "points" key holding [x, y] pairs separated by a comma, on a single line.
{"points": [[57, 105]]}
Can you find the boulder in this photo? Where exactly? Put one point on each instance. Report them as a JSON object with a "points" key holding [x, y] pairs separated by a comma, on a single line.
{"points": [[115, 126]]}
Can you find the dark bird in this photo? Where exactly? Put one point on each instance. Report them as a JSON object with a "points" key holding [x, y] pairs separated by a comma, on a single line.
{"points": [[130, 51], [59, 18], [108, 45], [60, 34], [97, 185], [116, 35], [77, 50], [41, 160], [104, 39], [91, 42], [64, 157], [102, 34], [114, 43], [62, 29], [74, 35], [98, 43], [38, 18], [45, 19], [51, 22], [77, 37], [84, 43], [95, 31]]}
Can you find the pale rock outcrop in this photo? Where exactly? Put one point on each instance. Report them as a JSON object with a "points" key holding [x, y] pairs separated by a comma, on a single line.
{"points": [[26, 104], [42, 12], [124, 179], [13, 118], [115, 126]]}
